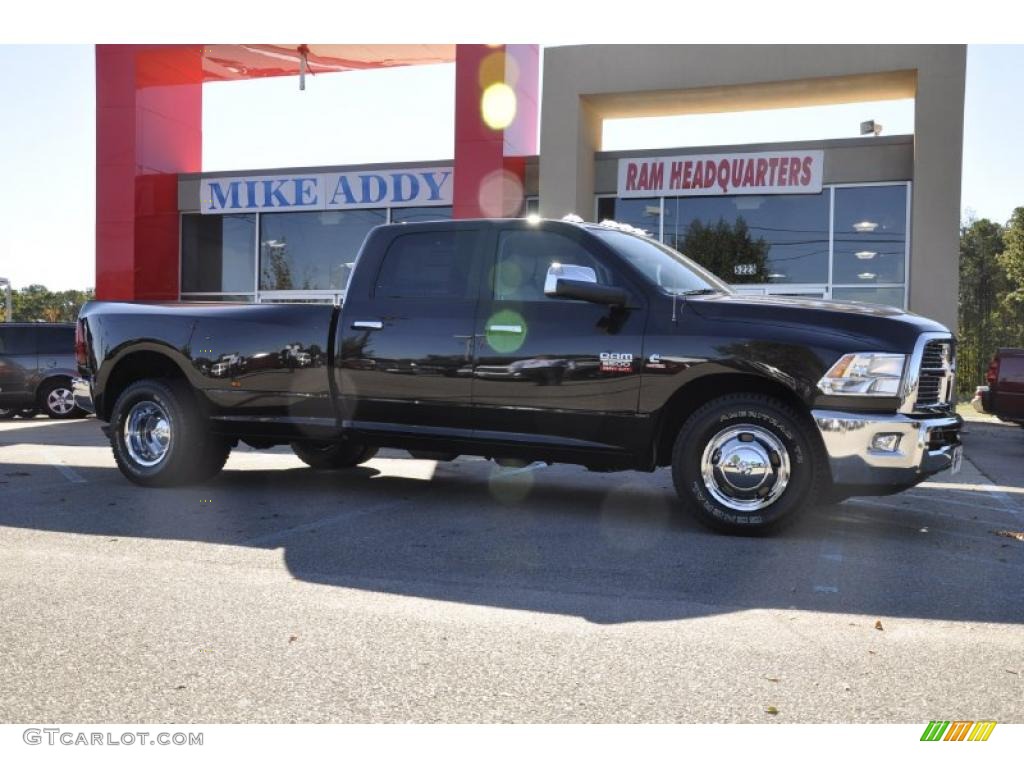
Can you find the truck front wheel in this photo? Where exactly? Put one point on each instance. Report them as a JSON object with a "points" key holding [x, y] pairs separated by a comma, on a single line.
{"points": [[746, 463], [333, 455], [160, 438]]}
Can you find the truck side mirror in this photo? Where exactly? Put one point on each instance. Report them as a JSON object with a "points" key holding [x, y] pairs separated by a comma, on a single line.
{"points": [[569, 281], [558, 272]]}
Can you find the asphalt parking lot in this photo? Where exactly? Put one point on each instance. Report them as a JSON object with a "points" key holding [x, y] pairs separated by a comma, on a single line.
{"points": [[406, 590]]}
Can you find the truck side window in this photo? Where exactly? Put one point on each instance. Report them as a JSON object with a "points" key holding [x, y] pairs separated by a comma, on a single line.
{"points": [[427, 265], [523, 260]]}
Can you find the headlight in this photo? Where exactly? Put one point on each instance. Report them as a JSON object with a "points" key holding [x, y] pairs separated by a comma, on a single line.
{"points": [[865, 373]]}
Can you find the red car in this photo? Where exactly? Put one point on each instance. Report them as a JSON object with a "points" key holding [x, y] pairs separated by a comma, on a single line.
{"points": [[1004, 395]]}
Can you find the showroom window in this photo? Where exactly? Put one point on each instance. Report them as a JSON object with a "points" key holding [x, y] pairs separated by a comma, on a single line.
{"points": [[312, 250], [869, 242], [217, 254], [753, 238], [295, 256], [848, 242], [418, 214], [640, 212]]}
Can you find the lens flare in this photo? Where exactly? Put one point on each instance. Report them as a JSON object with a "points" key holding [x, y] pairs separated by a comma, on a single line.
{"points": [[498, 106], [497, 67], [510, 487], [500, 195], [506, 331]]}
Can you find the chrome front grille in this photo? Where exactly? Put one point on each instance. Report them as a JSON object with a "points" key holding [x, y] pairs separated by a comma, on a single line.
{"points": [[935, 374]]}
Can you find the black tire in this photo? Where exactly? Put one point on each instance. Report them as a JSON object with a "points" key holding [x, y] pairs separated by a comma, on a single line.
{"points": [[216, 451], [57, 401], [27, 413], [333, 455], [777, 437], [8, 413], [190, 454]]}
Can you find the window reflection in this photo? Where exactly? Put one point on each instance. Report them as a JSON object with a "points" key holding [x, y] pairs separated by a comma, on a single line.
{"points": [[415, 214], [640, 212], [217, 253], [784, 239], [870, 237], [524, 258], [312, 250], [428, 265], [241, 298], [753, 238], [890, 296]]}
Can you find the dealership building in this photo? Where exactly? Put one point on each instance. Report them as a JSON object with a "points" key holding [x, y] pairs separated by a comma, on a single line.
{"points": [[872, 219]]}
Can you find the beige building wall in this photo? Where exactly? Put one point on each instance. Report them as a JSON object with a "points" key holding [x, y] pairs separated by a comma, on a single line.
{"points": [[583, 85]]}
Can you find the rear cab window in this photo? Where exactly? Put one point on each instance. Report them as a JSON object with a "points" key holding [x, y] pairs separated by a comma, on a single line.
{"points": [[440, 265]]}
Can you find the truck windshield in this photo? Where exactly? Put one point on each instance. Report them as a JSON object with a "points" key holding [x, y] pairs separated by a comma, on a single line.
{"points": [[666, 268]]}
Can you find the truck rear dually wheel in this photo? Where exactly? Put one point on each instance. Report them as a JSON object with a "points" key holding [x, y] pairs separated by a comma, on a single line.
{"points": [[746, 463], [160, 438], [333, 455]]}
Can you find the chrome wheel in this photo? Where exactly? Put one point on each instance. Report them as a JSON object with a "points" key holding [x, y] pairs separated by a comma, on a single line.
{"points": [[147, 433], [745, 467], [60, 401]]}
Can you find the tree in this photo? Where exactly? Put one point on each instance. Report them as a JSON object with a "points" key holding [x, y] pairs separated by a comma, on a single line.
{"points": [[983, 284], [1012, 261], [36, 303], [724, 247], [277, 274]]}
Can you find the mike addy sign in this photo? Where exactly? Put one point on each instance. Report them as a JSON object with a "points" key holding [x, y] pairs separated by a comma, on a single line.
{"points": [[756, 173], [326, 191]]}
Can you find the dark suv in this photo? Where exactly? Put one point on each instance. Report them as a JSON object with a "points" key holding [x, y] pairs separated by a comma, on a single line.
{"points": [[37, 363]]}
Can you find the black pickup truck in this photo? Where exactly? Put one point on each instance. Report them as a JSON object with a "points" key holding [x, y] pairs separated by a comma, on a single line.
{"points": [[546, 341]]}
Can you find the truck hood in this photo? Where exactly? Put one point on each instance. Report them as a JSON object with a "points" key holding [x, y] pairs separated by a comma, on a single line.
{"points": [[846, 318]]}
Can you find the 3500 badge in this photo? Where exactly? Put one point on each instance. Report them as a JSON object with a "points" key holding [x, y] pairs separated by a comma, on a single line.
{"points": [[616, 362]]}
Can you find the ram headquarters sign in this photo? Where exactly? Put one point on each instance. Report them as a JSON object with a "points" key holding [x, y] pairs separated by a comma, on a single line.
{"points": [[326, 191], [752, 173]]}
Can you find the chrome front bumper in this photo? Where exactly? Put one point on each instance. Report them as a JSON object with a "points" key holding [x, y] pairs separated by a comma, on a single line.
{"points": [[82, 392], [928, 444]]}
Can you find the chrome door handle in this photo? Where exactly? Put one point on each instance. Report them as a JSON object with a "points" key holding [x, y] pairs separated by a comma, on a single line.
{"points": [[505, 328], [368, 325]]}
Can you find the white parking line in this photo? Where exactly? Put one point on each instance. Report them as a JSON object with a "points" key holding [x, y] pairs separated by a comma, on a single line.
{"points": [[921, 511], [275, 536], [69, 474], [826, 574]]}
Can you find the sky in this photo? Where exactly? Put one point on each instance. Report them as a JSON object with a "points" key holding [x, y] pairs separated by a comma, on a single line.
{"points": [[47, 139]]}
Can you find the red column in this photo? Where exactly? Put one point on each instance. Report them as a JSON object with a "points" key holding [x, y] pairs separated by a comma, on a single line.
{"points": [[149, 106], [490, 148]]}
